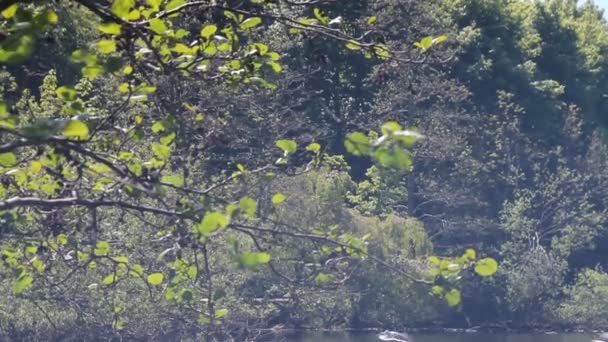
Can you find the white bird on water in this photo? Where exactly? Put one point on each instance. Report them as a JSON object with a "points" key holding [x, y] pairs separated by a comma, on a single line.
{"points": [[388, 335]]}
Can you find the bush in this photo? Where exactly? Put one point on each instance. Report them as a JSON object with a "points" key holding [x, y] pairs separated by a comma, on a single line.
{"points": [[587, 300]]}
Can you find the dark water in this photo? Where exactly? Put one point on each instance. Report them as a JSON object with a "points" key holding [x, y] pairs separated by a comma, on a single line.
{"points": [[476, 337]]}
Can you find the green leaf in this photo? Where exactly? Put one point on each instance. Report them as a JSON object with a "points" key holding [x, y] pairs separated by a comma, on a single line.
{"points": [[106, 46], [390, 127], [158, 26], [357, 144], [470, 254], [137, 269], [92, 71], [212, 221], [121, 259], [52, 17], [154, 3], [321, 278], [208, 31], [123, 87], [174, 4], [168, 139], [24, 281], [288, 146], [102, 248], [486, 267], [276, 67], [158, 126], [371, 20], [8, 159], [397, 158], [248, 205], [353, 45], [121, 8], [278, 198], [453, 297], [155, 278], [231, 15], [249, 259], [109, 279], [38, 265], [434, 260], [314, 147], [173, 180], [221, 313], [110, 28], [161, 151], [425, 43], [76, 129], [66, 93], [62, 239], [437, 290], [192, 272], [439, 40], [10, 11], [250, 23]]}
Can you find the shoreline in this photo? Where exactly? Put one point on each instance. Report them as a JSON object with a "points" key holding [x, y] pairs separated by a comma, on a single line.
{"points": [[445, 330]]}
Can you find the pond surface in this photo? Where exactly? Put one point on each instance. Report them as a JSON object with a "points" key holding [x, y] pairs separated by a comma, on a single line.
{"points": [[474, 337]]}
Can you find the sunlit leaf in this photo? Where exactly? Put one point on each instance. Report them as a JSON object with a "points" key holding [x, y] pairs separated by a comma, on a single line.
{"points": [[353, 45], [248, 205], [158, 26], [121, 8], [109, 279], [106, 46], [38, 265], [321, 278], [162, 151], [52, 17], [23, 282], [110, 28], [357, 144], [470, 254], [440, 39], [221, 313], [10, 11], [453, 297], [288, 146], [102, 248], [437, 290], [154, 3], [249, 259], [212, 221], [76, 129], [250, 23], [208, 31], [278, 198], [173, 4], [486, 267], [155, 278], [62, 239], [314, 147], [173, 180], [66, 93], [8, 159]]}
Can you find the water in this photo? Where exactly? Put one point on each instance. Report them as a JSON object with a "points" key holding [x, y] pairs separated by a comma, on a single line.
{"points": [[477, 337]]}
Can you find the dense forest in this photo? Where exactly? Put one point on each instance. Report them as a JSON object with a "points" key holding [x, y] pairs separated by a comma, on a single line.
{"points": [[225, 169]]}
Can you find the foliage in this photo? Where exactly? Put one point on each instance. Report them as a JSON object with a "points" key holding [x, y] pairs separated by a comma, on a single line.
{"points": [[234, 166], [113, 196]]}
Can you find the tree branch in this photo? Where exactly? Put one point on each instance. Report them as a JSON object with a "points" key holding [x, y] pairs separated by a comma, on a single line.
{"points": [[16, 202]]}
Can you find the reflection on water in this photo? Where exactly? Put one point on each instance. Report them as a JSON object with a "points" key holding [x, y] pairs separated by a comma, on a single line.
{"points": [[480, 337]]}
